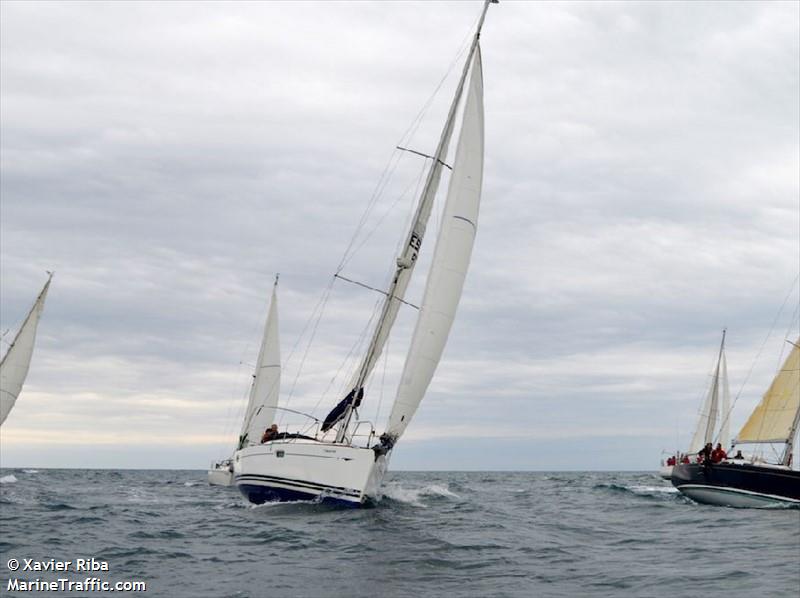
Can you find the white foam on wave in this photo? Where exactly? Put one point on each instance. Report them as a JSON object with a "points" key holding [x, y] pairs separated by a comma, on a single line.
{"points": [[190, 484], [653, 489], [30, 471], [413, 496], [283, 503], [8, 479]]}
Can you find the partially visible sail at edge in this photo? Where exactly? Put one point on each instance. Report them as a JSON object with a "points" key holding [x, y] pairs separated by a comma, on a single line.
{"points": [[775, 417], [450, 260], [265, 389], [17, 360]]}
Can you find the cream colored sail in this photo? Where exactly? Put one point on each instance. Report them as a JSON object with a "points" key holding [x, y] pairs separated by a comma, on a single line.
{"points": [[265, 389], [17, 360], [450, 260], [775, 417]]}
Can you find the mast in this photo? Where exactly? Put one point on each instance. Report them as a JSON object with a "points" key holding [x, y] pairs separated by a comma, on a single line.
{"points": [[406, 261], [713, 409]]}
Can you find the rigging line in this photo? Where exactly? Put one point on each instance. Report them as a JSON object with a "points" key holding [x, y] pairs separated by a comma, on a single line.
{"points": [[406, 136], [763, 344], [366, 286], [383, 217], [322, 304], [383, 181], [358, 343]]}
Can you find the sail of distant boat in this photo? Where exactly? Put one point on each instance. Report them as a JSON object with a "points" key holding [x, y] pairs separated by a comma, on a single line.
{"points": [[705, 431], [17, 360], [265, 389], [775, 419], [752, 481]]}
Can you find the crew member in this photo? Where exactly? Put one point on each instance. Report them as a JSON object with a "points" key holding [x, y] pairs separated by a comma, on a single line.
{"points": [[718, 454], [270, 433]]}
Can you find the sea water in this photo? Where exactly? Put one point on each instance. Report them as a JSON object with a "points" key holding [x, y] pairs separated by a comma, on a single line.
{"points": [[468, 534]]}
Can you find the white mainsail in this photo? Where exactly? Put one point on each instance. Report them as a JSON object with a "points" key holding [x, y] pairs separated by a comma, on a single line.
{"points": [[17, 360], [707, 422], [264, 391], [450, 260]]}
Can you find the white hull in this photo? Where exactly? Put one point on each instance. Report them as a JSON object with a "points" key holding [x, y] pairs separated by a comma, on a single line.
{"points": [[665, 472], [220, 477], [733, 497], [304, 469]]}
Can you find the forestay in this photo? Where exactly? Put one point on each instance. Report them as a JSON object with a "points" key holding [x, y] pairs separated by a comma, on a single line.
{"points": [[450, 260], [17, 360], [265, 389]]}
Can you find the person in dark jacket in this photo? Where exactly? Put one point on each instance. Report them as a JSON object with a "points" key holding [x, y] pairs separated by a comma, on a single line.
{"points": [[270, 433]]}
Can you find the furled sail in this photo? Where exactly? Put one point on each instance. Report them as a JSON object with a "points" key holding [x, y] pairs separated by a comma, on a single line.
{"points": [[17, 360], [450, 260], [775, 417], [265, 389]]}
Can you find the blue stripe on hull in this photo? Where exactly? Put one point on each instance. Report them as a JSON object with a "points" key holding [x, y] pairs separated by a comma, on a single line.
{"points": [[258, 494]]}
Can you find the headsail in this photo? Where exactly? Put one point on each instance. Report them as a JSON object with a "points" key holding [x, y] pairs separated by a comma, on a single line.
{"points": [[707, 421], [450, 260], [265, 389], [775, 418], [17, 360]]}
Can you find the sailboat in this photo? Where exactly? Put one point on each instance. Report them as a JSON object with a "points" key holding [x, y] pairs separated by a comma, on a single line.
{"points": [[754, 482], [343, 462], [17, 360], [263, 398], [705, 431]]}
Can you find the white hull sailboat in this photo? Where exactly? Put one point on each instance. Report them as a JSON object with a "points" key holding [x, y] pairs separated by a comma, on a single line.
{"points": [[343, 462], [17, 360], [717, 402], [263, 398]]}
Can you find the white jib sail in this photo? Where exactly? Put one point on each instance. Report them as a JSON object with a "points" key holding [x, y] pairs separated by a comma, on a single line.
{"points": [[450, 260], [265, 389], [708, 417], [17, 360]]}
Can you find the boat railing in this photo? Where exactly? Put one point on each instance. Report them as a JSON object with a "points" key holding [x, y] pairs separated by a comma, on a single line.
{"points": [[368, 433]]}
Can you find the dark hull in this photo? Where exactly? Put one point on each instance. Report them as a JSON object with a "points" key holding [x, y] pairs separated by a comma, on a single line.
{"points": [[737, 485]]}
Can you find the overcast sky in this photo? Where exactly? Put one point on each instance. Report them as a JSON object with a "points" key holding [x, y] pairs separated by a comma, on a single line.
{"points": [[641, 193]]}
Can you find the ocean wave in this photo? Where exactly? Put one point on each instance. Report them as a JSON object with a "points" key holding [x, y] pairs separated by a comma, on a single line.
{"points": [[30, 471], [8, 479], [641, 490], [413, 496]]}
